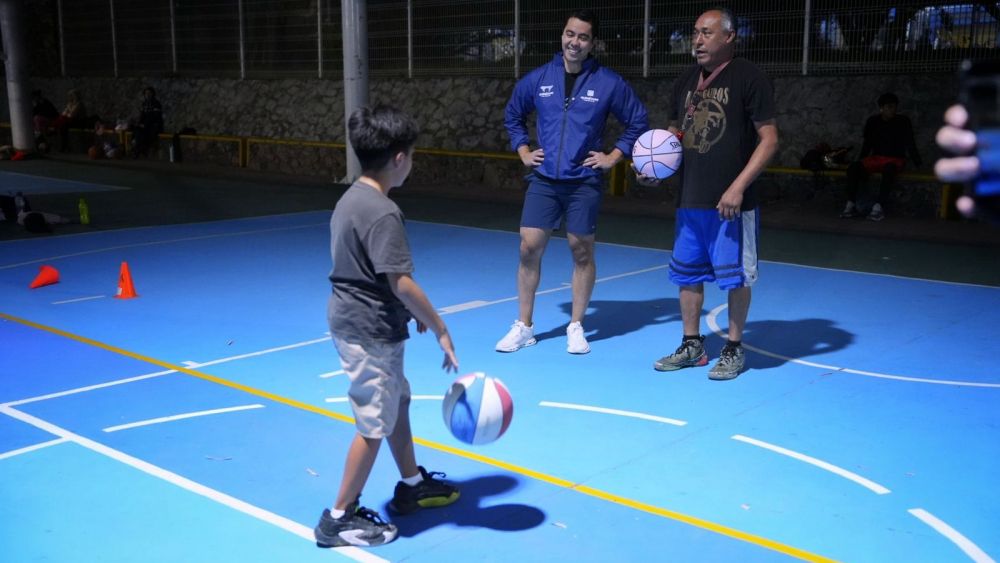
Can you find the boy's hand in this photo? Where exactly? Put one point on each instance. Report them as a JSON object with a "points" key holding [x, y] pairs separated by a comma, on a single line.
{"points": [[450, 360], [421, 327]]}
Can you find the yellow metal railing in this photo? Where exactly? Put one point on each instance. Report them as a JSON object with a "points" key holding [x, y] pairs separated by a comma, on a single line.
{"points": [[618, 179]]}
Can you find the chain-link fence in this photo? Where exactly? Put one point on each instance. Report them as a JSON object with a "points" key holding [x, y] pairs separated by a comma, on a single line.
{"points": [[505, 38]]}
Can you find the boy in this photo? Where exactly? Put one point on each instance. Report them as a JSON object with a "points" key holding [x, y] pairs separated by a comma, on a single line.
{"points": [[373, 298]]}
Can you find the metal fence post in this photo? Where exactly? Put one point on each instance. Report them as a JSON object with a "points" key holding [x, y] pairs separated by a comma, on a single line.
{"points": [[243, 62], [173, 37], [62, 39], [319, 39], [409, 38], [517, 38], [647, 9], [114, 38], [805, 38]]}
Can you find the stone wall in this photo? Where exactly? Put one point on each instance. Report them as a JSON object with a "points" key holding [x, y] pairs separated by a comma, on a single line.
{"points": [[466, 114]]}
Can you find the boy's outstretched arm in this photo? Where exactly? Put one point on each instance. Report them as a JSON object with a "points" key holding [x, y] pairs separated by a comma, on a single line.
{"points": [[407, 290]]}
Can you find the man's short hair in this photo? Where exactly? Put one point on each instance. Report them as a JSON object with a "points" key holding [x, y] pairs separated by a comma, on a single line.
{"points": [[727, 19], [888, 98], [588, 16], [379, 133]]}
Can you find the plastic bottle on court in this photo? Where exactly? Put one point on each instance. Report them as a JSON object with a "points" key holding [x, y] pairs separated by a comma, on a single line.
{"points": [[84, 212]]}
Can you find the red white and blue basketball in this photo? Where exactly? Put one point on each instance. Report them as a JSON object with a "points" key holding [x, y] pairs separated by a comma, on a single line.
{"points": [[477, 408], [657, 153]]}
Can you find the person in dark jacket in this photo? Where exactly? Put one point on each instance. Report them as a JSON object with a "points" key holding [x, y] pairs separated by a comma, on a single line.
{"points": [[572, 97], [149, 125]]}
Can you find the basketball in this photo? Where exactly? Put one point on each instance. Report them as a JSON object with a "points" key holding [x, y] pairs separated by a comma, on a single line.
{"points": [[477, 408], [657, 153]]}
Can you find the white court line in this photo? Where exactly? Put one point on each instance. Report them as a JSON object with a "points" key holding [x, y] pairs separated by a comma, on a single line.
{"points": [[165, 372], [963, 543], [305, 532], [78, 299], [866, 483], [183, 416], [413, 397], [88, 388], [603, 410], [330, 374], [27, 449], [155, 243], [713, 324], [271, 350], [462, 307]]}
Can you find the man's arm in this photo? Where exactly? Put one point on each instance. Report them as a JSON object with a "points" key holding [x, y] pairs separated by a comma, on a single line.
{"points": [[731, 201]]}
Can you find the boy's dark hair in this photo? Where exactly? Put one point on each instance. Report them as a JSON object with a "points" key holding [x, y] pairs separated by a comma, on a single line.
{"points": [[887, 98], [379, 133], [588, 16]]}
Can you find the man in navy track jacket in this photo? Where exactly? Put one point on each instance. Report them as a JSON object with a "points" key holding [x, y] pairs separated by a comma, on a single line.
{"points": [[572, 97]]}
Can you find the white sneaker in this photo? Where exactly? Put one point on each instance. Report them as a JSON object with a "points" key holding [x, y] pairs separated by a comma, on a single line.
{"points": [[519, 336], [576, 343]]}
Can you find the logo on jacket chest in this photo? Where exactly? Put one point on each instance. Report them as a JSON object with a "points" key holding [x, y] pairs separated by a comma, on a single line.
{"points": [[545, 91], [590, 97]]}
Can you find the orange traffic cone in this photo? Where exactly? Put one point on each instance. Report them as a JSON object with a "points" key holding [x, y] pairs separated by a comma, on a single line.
{"points": [[47, 275], [125, 288]]}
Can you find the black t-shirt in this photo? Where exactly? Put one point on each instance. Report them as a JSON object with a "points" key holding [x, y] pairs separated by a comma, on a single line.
{"points": [[890, 138], [720, 135]]}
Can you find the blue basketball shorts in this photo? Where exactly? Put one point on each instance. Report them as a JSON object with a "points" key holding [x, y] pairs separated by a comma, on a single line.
{"points": [[710, 249], [546, 204]]}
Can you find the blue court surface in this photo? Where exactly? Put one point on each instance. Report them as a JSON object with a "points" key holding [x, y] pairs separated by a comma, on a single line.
{"points": [[206, 420]]}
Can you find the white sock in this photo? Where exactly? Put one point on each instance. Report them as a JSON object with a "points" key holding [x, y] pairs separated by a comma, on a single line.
{"points": [[412, 481], [336, 513]]}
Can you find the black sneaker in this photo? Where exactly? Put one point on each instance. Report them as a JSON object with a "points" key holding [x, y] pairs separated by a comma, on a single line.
{"points": [[358, 526], [426, 494]]}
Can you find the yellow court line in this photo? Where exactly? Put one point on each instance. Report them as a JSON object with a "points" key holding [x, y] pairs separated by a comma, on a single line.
{"points": [[552, 480]]}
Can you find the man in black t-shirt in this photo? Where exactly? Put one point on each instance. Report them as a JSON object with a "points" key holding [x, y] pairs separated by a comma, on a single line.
{"points": [[723, 111]]}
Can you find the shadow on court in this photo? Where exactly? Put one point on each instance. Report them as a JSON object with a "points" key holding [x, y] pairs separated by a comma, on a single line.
{"points": [[609, 319], [799, 339], [469, 511]]}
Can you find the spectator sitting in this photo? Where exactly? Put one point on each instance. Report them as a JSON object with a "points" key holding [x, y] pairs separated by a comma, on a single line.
{"points": [[72, 115], [42, 114], [888, 138], [149, 125]]}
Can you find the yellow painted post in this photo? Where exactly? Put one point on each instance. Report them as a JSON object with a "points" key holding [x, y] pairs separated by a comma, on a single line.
{"points": [[244, 152], [949, 193], [618, 176]]}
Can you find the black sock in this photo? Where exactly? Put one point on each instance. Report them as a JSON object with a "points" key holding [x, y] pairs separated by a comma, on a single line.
{"points": [[734, 343], [689, 337]]}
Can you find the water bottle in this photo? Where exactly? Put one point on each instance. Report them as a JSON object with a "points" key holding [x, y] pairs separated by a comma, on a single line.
{"points": [[84, 212]]}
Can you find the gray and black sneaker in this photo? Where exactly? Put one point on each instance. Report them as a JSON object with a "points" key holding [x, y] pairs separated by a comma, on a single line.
{"points": [[730, 363], [428, 493], [358, 526], [690, 353]]}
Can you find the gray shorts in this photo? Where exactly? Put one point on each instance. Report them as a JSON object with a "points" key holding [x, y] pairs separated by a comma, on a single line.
{"points": [[379, 391]]}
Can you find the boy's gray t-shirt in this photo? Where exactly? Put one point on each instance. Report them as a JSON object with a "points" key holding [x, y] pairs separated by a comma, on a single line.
{"points": [[367, 241]]}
